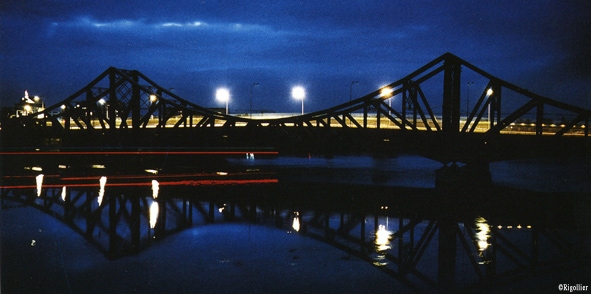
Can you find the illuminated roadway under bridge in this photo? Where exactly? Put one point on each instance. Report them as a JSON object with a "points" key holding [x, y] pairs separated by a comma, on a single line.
{"points": [[420, 113]]}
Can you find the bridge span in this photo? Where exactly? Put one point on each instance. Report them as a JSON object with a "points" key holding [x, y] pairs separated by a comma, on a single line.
{"points": [[419, 114]]}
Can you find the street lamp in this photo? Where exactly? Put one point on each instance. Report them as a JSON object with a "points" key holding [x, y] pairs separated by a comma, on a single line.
{"points": [[251, 87], [299, 93], [223, 95], [489, 93]]}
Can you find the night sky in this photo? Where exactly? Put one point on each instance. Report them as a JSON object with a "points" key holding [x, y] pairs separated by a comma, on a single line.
{"points": [[54, 48]]}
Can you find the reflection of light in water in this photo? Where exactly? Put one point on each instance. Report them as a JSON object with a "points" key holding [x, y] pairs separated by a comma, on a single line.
{"points": [[154, 205], [382, 242], [296, 222], [482, 233], [383, 238], [64, 193], [102, 182], [39, 181], [155, 189], [153, 214]]}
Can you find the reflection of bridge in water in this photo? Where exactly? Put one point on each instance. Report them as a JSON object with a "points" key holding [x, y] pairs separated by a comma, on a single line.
{"points": [[106, 150], [426, 238]]}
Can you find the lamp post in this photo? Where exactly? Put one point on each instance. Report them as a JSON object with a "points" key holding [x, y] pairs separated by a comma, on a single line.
{"points": [[489, 93], [250, 109], [299, 93], [223, 95]]}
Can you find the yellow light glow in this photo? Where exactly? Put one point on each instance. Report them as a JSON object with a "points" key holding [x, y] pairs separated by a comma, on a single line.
{"points": [[222, 173], [152, 171], [153, 214], [155, 189], [296, 222], [153, 98], [383, 238], [482, 233], [64, 193], [102, 182], [39, 182], [98, 166], [489, 92], [37, 168], [386, 91]]}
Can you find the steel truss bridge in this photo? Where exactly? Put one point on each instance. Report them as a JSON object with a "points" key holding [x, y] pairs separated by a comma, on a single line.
{"points": [[124, 111], [426, 249], [127, 109]]}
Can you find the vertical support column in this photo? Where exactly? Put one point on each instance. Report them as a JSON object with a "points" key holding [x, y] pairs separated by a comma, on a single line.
{"points": [[494, 107], [112, 104], [68, 206], [362, 237], [375, 226], [134, 225], [160, 228], [451, 96], [535, 245], [446, 269], [539, 119], [210, 216], [135, 101], [378, 115], [365, 110], [190, 213], [90, 109], [89, 215], [491, 267], [112, 223], [400, 240]]}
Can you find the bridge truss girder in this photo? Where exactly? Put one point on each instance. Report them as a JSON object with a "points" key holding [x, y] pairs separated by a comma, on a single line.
{"points": [[128, 100]]}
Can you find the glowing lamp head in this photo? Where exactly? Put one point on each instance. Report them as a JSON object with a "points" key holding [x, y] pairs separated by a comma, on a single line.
{"points": [[298, 93], [489, 92], [222, 95], [386, 91]]}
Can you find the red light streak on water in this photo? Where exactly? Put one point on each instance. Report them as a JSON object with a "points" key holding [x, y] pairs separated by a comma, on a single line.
{"points": [[140, 153], [149, 184]]}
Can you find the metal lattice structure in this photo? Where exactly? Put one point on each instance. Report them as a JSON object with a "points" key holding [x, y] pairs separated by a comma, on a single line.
{"points": [[128, 100]]}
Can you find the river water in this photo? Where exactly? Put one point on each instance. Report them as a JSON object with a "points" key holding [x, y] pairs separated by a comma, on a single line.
{"points": [[42, 255]]}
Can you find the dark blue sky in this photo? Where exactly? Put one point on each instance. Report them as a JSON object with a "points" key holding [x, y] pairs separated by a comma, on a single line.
{"points": [[54, 48]]}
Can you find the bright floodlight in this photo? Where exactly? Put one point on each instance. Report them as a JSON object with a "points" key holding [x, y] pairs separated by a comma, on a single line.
{"points": [[489, 92], [223, 95], [299, 93], [386, 91]]}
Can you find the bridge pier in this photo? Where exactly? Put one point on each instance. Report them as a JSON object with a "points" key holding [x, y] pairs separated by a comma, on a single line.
{"points": [[464, 180], [446, 265]]}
